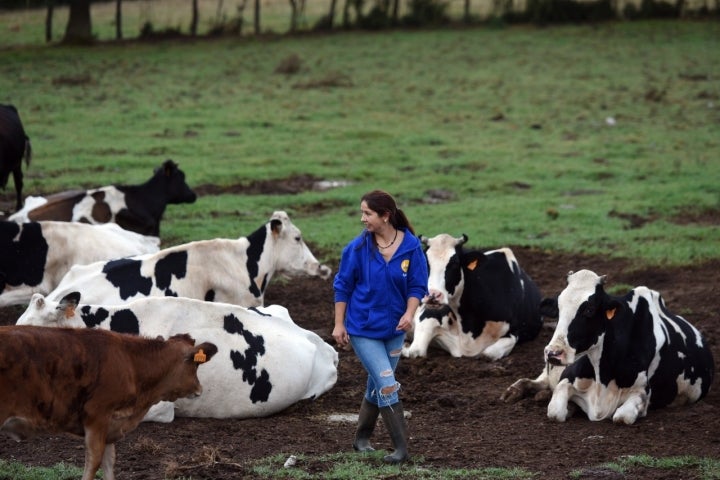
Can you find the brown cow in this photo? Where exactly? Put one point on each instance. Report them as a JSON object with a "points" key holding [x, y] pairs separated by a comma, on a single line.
{"points": [[92, 383]]}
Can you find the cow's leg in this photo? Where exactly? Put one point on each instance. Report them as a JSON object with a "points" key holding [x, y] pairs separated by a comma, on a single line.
{"points": [[501, 348], [18, 428], [635, 406], [94, 451], [18, 178], [525, 386], [558, 406], [108, 462]]}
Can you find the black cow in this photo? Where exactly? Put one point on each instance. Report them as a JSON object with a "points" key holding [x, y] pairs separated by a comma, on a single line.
{"points": [[137, 208], [14, 145], [480, 303]]}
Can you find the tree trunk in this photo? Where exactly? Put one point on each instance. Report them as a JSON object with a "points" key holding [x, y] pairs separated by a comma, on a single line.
{"points": [[466, 11], [49, 20], [331, 14], [79, 27], [194, 20], [293, 15], [395, 12], [257, 17], [118, 19]]}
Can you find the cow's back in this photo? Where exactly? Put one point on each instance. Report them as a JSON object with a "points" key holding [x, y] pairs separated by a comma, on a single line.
{"points": [[48, 374], [499, 290]]}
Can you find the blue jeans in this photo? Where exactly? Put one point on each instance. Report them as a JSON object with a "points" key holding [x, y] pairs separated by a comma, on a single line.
{"points": [[380, 358]]}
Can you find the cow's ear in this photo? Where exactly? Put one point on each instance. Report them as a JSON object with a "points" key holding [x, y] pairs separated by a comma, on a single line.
{"points": [[276, 226], [473, 260], [611, 309], [204, 352], [69, 303], [549, 307]]}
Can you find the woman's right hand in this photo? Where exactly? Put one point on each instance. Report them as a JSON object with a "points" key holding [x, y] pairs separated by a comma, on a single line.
{"points": [[340, 335]]}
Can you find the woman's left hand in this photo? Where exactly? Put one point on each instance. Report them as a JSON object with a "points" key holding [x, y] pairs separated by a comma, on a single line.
{"points": [[406, 322]]}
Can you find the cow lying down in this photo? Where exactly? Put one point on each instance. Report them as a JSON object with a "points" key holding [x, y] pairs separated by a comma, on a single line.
{"points": [[615, 357], [90, 383], [265, 362], [480, 303], [35, 256], [222, 270]]}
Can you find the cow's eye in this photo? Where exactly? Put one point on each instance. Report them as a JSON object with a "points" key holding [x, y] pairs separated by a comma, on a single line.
{"points": [[298, 239]]}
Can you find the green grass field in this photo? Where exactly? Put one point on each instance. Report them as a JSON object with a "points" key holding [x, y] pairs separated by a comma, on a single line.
{"points": [[600, 139]]}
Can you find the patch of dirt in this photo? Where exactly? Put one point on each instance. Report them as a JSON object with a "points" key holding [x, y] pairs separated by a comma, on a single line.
{"points": [[457, 418]]}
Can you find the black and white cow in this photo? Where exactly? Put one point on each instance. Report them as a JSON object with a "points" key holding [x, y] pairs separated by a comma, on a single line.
{"points": [[14, 145], [619, 356], [222, 270], [480, 303], [35, 256], [138, 208], [265, 362]]}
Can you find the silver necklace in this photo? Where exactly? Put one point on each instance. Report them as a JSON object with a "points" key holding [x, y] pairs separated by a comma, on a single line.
{"points": [[389, 244]]}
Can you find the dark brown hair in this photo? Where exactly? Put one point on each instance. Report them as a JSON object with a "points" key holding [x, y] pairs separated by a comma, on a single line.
{"points": [[382, 203]]}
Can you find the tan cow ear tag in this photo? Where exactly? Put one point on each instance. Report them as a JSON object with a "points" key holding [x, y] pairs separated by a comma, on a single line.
{"points": [[610, 313], [200, 356], [472, 265], [69, 312]]}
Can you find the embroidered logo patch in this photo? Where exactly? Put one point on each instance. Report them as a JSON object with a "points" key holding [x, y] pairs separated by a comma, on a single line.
{"points": [[405, 265]]}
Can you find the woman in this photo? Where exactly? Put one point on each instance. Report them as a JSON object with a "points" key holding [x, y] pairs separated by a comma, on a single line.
{"points": [[382, 278]]}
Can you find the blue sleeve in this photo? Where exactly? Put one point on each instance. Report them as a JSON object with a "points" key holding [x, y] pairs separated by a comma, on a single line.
{"points": [[418, 278], [345, 277]]}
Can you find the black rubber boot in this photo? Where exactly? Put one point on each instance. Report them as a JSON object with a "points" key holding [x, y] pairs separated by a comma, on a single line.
{"points": [[366, 424], [394, 419]]}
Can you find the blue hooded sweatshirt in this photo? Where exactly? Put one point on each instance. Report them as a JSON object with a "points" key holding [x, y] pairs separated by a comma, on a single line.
{"points": [[376, 291]]}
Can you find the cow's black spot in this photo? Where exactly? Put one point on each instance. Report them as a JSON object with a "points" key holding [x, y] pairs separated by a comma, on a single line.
{"points": [[262, 388], [254, 252], [247, 360], [125, 275], [173, 264], [93, 319], [254, 309], [125, 321], [22, 262], [210, 295]]}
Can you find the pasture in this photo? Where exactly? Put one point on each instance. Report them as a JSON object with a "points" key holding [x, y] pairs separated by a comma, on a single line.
{"points": [[578, 146]]}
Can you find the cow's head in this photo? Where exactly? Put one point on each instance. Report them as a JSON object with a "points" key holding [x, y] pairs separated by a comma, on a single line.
{"points": [[576, 301], [182, 380], [291, 255], [173, 179], [43, 312], [445, 281]]}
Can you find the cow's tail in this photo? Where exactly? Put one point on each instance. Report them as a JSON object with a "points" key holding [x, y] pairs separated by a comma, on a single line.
{"points": [[28, 151]]}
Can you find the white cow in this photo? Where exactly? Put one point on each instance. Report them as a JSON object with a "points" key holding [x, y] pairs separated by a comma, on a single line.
{"points": [[222, 270], [264, 363], [35, 256]]}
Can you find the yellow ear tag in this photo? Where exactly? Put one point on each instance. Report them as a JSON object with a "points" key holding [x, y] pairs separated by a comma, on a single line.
{"points": [[69, 312], [610, 313], [200, 356], [472, 265]]}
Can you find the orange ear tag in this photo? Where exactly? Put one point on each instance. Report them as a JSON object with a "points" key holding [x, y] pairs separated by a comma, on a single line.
{"points": [[69, 312], [472, 265], [610, 313], [200, 356]]}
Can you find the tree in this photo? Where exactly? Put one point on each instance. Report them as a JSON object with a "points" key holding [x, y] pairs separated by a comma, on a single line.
{"points": [[79, 27]]}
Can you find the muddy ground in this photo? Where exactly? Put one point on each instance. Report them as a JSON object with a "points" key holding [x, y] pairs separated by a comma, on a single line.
{"points": [[457, 418]]}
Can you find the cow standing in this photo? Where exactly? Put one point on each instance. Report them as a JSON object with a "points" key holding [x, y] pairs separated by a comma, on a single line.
{"points": [[618, 356], [14, 145], [90, 383], [138, 208], [35, 256], [265, 362], [480, 303], [222, 270]]}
